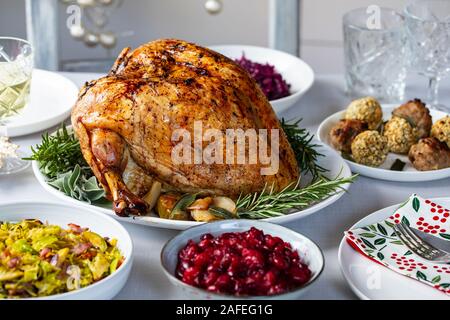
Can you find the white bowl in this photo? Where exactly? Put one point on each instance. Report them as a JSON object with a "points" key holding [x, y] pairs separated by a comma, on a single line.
{"points": [[309, 252], [294, 70], [62, 215]]}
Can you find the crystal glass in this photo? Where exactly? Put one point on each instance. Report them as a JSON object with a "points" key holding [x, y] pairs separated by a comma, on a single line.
{"points": [[375, 54], [16, 66], [428, 31], [10, 158]]}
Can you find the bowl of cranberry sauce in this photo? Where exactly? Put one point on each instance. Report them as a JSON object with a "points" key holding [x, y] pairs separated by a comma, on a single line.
{"points": [[241, 259]]}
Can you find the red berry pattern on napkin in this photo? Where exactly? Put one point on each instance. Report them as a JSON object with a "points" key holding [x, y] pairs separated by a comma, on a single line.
{"points": [[380, 243]]}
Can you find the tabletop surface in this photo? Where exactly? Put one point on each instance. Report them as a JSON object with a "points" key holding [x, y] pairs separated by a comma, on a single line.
{"points": [[325, 227]]}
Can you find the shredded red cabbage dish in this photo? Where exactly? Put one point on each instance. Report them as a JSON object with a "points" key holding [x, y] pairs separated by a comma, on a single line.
{"points": [[271, 82]]}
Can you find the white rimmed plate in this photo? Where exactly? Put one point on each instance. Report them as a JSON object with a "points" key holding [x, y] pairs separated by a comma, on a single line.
{"points": [[62, 215], [52, 97], [371, 281], [331, 161], [409, 173], [294, 70]]}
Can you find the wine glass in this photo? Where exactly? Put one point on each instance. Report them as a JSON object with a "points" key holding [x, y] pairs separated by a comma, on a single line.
{"points": [[16, 66], [428, 32]]}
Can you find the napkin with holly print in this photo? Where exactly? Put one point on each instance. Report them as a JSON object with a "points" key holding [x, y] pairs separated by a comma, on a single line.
{"points": [[380, 243]]}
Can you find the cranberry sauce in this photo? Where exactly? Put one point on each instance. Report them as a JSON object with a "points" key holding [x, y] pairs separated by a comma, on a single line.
{"points": [[247, 263]]}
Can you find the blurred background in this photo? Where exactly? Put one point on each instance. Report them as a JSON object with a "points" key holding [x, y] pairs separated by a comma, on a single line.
{"points": [[239, 22]]}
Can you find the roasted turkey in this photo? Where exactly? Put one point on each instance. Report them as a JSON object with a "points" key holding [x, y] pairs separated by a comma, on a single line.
{"points": [[125, 122]]}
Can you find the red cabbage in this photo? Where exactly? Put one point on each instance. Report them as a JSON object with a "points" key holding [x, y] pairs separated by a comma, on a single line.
{"points": [[271, 82]]}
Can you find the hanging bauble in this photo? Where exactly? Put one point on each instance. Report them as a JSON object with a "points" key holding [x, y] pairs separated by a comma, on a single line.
{"points": [[108, 40], [213, 6], [77, 31], [91, 39], [86, 3], [105, 2]]}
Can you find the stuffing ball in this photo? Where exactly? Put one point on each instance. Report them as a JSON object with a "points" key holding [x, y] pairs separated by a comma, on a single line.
{"points": [[441, 130], [430, 154], [343, 133], [400, 135], [366, 109], [417, 114], [370, 148]]}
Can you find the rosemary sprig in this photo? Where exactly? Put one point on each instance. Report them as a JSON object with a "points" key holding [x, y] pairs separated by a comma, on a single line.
{"points": [[59, 153], [305, 150], [268, 204]]}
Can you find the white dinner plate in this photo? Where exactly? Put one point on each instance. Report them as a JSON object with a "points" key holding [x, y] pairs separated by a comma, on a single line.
{"points": [[409, 173], [61, 215], [331, 161], [294, 70], [371, 281], [52, 97]]}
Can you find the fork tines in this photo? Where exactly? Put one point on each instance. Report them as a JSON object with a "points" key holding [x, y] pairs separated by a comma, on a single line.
{"points": [[419, 246]]}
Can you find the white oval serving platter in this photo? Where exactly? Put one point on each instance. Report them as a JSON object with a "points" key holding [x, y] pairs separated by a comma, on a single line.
{"points": [[331, 160]]}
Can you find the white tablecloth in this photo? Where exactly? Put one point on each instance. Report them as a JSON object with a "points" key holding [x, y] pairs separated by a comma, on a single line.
{"points": [[147, 280]]}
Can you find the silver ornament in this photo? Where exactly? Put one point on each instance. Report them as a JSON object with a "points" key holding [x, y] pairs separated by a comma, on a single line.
{"points": [[213, 6], [77, 32], [91, 39], [108, 40], [86, 3]]}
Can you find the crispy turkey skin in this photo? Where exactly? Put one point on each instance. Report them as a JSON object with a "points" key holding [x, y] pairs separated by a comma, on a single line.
{"points": [[125, 122]]}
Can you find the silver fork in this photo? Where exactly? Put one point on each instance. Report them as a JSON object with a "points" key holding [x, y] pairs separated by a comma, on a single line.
{"points": [[419, 246]]}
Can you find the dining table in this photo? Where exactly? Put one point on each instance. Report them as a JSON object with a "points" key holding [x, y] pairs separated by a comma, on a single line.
{"points": [[325, 227]]}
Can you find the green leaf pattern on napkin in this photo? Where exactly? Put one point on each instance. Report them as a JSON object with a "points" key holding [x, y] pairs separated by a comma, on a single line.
{"points": [[379, 241]]}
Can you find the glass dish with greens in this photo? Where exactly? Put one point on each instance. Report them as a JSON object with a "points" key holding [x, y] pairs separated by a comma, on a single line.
{"points": [[38, 259]]}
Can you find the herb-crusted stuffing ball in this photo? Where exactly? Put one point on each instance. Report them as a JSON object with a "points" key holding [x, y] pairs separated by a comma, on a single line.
{"points": [[343, 133], [366, 109], [417, 114], [441, 130], [370, 148], [400, 135]]}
